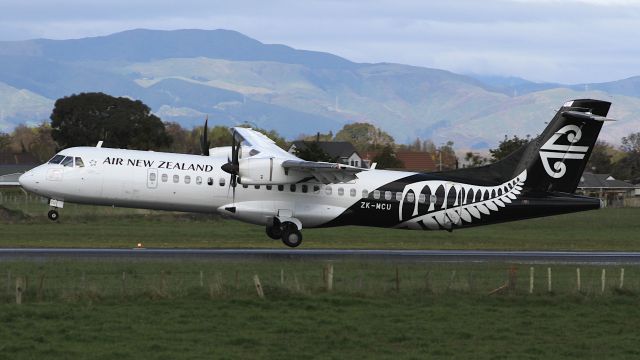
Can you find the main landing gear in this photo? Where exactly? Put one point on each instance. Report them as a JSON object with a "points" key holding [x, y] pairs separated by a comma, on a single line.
{"points": [[287, 231]]}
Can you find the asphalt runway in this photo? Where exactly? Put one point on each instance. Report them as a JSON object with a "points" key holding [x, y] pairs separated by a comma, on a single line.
{"points": [[586, 257]]}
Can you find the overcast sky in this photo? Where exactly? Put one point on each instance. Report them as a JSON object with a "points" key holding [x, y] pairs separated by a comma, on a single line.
{"points": [[569, 41]]}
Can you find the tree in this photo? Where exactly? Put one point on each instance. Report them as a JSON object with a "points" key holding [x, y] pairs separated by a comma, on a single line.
{"points": [[311, 151], [628, 168], [387, 159], [446, 157], [631, 143], [600, 159], [364, 137], [87, 118], [507, 146], [43, 147], [474, 160], [5, 141]]}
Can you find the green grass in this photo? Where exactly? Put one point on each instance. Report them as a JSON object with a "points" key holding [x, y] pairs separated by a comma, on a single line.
{"points": [[82, 312], [93, 226]]}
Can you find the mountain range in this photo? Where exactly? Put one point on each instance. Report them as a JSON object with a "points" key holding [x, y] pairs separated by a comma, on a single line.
{"points": [[184, 75]]}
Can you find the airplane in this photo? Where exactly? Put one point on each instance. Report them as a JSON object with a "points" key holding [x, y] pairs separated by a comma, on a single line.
{"points": [[255, 181]]}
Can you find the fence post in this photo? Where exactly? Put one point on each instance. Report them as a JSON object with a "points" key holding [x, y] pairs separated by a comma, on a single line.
{"points": [[578, 280], [621, 278], [549, 289], [201, 279], [397, 279], [329, 277], [281, 276], [19, 289], [531, 273], [256, 282], [8, 282], [604, 279]]}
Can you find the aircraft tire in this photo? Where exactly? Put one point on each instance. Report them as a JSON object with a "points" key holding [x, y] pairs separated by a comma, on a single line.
{"points": [[274, 232], [53, 215], [291, 236]]}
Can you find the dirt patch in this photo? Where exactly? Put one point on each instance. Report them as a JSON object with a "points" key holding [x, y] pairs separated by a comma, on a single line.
{"points": [[11, 216]]}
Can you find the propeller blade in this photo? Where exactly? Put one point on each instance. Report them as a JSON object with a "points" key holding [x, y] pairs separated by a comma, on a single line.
{"points": [[204, 139]]}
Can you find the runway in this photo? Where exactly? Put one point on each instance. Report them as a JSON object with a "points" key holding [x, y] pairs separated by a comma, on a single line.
{"points": [[587, 257]]}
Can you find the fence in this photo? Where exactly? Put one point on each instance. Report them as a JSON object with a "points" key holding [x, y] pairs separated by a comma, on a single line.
{"points": [[142, 280]]}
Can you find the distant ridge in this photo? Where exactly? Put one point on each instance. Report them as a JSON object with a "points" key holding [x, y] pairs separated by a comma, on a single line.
{"points": [[184, 75]]}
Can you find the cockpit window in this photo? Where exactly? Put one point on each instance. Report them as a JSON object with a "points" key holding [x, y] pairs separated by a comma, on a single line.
{"points": [[79, 162], [56, 159], [68, 161]]}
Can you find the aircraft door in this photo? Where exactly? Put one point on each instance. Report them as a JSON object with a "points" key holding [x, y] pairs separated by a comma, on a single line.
{"points": [[453, 203], [152, 178]]}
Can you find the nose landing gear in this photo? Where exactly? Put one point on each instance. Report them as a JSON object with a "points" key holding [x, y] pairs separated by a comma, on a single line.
{"points": [[53, 215]]}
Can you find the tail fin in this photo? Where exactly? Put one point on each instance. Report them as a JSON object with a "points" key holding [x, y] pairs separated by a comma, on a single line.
{"points": [[555, 160]]}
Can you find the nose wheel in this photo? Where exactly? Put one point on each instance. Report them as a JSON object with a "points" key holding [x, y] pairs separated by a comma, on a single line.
{"points": [[53, 215]]}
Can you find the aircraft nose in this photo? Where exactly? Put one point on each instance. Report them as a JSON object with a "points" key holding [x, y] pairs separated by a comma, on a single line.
{"points": [[27, 180]]}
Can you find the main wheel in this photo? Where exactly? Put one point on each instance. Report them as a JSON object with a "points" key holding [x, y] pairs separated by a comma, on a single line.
{"points": [[291, 236], [53, 215], [274, 232]]}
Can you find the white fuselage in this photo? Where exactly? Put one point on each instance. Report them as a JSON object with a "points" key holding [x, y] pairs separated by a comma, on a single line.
{"points": [[191, 183]]}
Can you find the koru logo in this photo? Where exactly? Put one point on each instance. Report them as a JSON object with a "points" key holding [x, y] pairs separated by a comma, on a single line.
{"points": [[562, 152]]}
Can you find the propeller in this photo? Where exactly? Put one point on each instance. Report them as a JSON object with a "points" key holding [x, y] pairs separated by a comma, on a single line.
{"points": [[204, 141], [232, 166]]}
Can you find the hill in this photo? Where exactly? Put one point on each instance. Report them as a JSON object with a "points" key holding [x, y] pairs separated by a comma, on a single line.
{"points": [[183, 75]]}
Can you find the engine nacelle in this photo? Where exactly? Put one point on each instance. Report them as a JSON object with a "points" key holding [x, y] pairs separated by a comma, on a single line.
{"points": [[265, 171]]}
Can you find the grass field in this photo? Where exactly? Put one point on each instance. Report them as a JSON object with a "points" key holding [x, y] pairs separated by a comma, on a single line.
{"points": [[83, 310], [91, 226]]}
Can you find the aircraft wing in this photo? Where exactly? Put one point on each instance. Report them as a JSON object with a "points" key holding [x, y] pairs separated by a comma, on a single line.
{"points": [[326, 173], [262, 148]]}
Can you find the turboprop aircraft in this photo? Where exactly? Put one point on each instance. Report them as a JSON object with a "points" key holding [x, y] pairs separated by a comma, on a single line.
{"points": [[257, 182]]}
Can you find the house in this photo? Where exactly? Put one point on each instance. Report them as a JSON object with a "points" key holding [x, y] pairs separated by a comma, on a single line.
{"points": [[342, 150], [14, 165], [614, 193], [417, 161]]}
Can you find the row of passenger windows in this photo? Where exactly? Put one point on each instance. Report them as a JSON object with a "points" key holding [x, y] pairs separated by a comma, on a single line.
{"points": [[66, 161], [328, 190]]}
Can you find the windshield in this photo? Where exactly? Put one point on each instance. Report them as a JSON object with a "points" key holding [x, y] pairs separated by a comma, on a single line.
{"points": [[68, 161], [56, 159]]}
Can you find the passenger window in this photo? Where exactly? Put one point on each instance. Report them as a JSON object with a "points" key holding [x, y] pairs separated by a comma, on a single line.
{"points": [[280, 187], [176, 179], [187, 179], [245, 186], [210, 181], [433, 198], [152, 177], [257, 187], [305, 188], [352, 192], [56, 159], [398, 196], [376, 194], [269, 187], [365, 193], [199, 180], [410, 197], [327, 190], [387, 195], [79, 162], [292, 188], [422, 198], [221, 181], [165, 177], [68, 161], [340, 191]]}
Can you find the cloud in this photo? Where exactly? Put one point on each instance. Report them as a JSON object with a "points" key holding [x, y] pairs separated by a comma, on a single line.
{"points": [[547, 40]]}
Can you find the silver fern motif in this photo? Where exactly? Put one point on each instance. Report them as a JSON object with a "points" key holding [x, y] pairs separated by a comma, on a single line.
{"points": [[471, 202]]}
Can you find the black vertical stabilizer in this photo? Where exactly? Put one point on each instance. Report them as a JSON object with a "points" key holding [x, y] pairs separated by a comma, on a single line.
{"points": [[554, 160]]}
